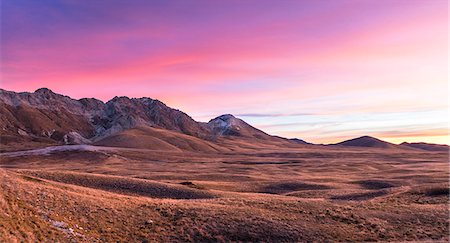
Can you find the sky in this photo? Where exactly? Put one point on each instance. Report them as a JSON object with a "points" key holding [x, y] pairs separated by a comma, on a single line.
{"points": [[320, 70]]}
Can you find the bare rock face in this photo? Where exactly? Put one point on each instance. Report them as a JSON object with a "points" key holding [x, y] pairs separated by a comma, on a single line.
{"points": [[122, 113]]}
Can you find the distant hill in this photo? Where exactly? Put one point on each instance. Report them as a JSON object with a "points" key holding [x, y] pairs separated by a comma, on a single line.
{"points": [[298, 141], [427, 146], [368, 142]]}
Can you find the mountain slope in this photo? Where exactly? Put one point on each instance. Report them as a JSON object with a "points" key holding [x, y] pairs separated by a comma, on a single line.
{"points": [[158, 139], [122, 113], [228, 125]]}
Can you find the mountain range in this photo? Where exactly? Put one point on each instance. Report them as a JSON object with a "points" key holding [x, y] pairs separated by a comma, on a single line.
{"points": [[45, 117]]}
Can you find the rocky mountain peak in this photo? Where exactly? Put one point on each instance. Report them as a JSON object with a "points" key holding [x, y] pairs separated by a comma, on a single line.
{"points": [[229, 125], [44, 91], [119, 99], [226, 117], [92, 103]]}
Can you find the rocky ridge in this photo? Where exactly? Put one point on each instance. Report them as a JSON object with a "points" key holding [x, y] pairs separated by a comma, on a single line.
{"points": [[45, 114]]}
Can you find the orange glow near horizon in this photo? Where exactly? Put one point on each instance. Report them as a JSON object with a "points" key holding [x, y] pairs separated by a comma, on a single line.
{"points": [[422, 138]]}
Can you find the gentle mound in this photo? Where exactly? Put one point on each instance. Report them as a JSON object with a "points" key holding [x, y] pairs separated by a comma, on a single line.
{"points": [[123, 185], [285, 187], [427, 146], [427, 194], [368, 142], [432, 191], [374, 184], [360, 196]]}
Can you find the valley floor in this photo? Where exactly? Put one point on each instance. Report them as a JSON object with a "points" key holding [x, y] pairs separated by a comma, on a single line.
{"points": [[305, 194]]}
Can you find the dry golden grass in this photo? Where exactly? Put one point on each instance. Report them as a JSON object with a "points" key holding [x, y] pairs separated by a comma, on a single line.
{"points": [[308, 193], [158, 139]]}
